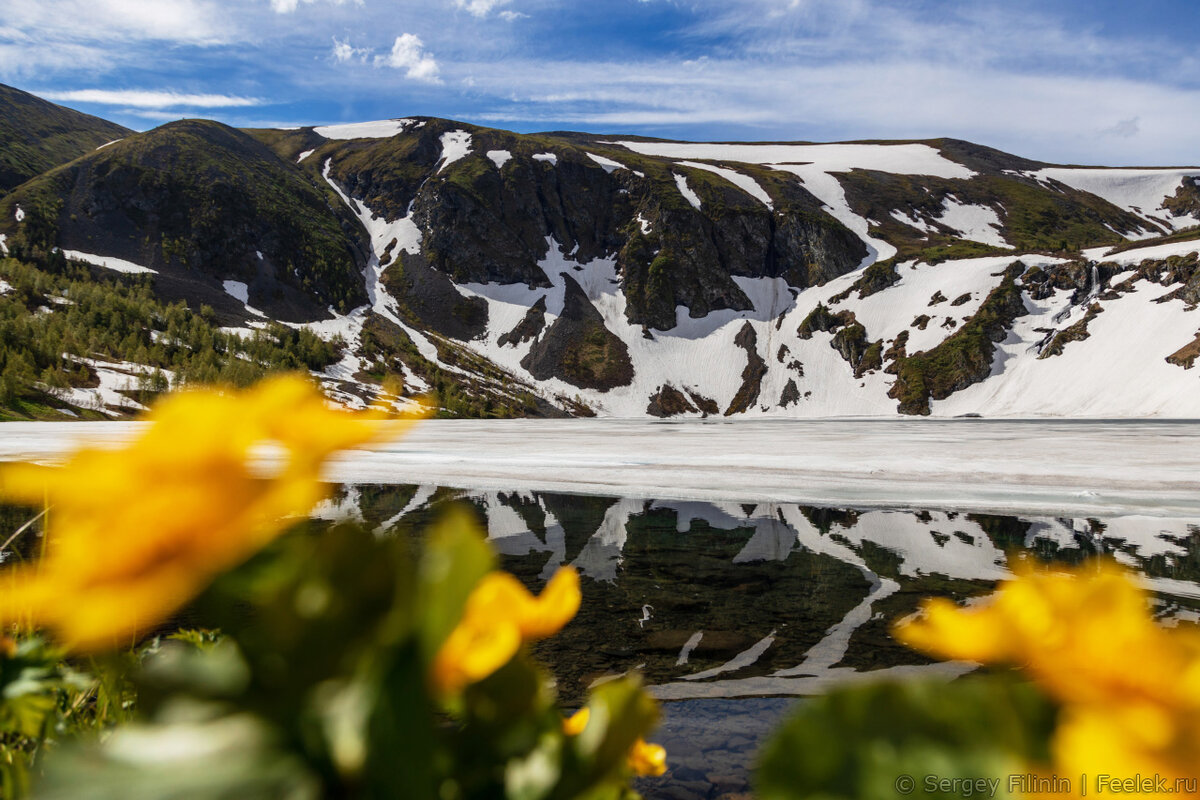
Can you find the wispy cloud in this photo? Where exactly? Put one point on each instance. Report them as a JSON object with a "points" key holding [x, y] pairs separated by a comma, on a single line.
{"points": [[197, 21], [288, 6], [343, 52], [480, 8], [142, 99], [1044, 78]]}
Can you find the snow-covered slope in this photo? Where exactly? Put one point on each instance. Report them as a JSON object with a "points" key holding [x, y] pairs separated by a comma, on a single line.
{"points": [[844, 346], [566, 273], [1140, 191]]}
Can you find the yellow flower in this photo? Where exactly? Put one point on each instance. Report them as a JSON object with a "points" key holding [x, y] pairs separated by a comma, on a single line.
{"points": [[1130, 689], [1085, 636], [136, 532], [500, 614], [574, 724], [648, 759]]}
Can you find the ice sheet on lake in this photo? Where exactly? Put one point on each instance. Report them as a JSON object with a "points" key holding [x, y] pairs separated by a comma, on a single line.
{"points": [[1070, 467]]}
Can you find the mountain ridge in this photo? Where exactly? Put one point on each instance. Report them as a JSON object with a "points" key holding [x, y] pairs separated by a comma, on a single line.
{"points": [[577, 273]]}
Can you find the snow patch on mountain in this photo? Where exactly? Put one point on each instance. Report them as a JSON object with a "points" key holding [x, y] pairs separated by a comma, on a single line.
{"points": [[408, 237], [901, 159], [1140, 254], [377, 129], [499, 157], [1139, 191], [549, 158], [241, 292], [608, 164], [1118, 370], [738, 179], [974, 222], [686, 191], [455, 145], [108, 262]]}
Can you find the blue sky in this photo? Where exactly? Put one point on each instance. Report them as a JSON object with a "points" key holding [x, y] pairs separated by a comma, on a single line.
{"points": [[1073, 81]]}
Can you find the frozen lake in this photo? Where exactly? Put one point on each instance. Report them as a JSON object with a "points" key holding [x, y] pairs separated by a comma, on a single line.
{"points": [[1109, 467], [739, 565]]}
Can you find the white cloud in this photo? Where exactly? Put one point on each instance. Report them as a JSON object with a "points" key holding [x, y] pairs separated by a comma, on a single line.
{"points": [[193, 21], [343, 51], [408, 53], [288, 6], [142, 98], [481, 8]]}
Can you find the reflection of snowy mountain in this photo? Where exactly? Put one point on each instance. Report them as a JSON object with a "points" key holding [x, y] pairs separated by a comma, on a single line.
{"points": [[727, 599]]}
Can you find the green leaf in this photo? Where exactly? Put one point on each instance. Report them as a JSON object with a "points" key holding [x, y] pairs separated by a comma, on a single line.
{"points": [[401, 732], [621, 713], [456, 556], [859, 742]]}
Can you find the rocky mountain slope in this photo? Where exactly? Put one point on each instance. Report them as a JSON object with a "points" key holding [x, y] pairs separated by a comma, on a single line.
{"points": [[572, 273]]}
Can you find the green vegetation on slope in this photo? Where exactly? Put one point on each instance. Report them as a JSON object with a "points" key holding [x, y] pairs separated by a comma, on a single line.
{"points": [[36, 135], [963, 358], [198, 196], [54, 315]]}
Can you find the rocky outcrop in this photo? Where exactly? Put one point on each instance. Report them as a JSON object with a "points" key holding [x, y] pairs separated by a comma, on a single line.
{"points": [[430, 299], [528, 328], [577, 348], [669, 402], [752, 375], [963, 358]]}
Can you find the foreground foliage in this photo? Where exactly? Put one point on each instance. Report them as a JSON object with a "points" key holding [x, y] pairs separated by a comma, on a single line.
{"points": [[331, 662]]}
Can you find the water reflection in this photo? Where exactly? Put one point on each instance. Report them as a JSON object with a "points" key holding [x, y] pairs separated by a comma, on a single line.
{"points": [[727, 609]]}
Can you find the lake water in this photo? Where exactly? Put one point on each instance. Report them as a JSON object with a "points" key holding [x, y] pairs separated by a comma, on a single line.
{"points": [[732, 611], [743, 566]]}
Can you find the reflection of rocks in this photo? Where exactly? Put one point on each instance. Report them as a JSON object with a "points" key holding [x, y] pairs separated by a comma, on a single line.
{"points": [[724, 600]]}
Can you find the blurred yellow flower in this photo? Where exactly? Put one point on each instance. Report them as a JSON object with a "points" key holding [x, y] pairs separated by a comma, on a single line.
{"points": [[1130, 689], [500, 614], [648, 759], [574, 724], [136, 532]]}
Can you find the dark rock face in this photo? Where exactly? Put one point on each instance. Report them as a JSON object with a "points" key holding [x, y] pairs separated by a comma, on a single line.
{"points": [[752, 375], [484, 223], [790, 395], [689, 257], [862, 355], [669, 402], [1186, 356], [430, 299], [529, 327], [1076, 332], [578, 348], [822, 319]]}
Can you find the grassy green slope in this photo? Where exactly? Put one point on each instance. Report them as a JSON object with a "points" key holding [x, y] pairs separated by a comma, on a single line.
{"points": [[200, 197], [36, 135]]}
